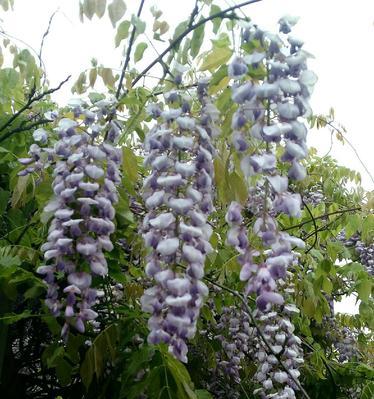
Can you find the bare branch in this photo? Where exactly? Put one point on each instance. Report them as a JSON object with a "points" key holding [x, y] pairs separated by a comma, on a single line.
{"points": [[128, 52], [296, 226], [314, 224], [45, 35]]}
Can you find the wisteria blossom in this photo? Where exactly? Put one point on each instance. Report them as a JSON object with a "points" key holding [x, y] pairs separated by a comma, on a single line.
{"points": [[269, 117], [178, 197], [85, 176]]}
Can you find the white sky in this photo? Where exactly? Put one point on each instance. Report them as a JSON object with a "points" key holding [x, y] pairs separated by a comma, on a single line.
{"points": [[340, 33]]}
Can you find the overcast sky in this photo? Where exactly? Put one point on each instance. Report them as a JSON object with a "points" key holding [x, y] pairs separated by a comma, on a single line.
{"points": [[339, 33]]}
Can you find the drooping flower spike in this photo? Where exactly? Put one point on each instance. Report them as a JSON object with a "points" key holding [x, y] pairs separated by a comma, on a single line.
{"points": [[178, 197], [269, 116], [85, 175]]}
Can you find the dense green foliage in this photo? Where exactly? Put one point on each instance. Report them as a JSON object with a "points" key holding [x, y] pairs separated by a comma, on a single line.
{"points": [[116, 361]]}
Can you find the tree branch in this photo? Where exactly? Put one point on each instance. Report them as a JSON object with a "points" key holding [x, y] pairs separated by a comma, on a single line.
{"points": [[28, 104], [128, 52], [191, 28], [23, 128], [314, 224], [296, 226]]}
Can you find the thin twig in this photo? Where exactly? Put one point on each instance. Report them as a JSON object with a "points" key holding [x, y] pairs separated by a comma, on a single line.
{"points": [[349, 143], [128, 52], [45, 35], [321, 217], [314, 224], [203, 21], [322, 228], [194, 12]]}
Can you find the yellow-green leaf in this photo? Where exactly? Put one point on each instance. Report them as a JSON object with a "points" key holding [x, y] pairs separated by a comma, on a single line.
{"points": [[216, 58], [130, 164], [19, 191], [100, 7], [122, 32], [92, 76], [89, 7], [139, 51], [116, 11], [107, 76]]}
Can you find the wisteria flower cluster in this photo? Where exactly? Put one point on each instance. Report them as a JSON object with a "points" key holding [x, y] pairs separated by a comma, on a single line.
{"points": [[235, 334], [232, 328], [178, 197], [343, 339], [85, 175], [363, 250], [268, 117], [286, 346]]}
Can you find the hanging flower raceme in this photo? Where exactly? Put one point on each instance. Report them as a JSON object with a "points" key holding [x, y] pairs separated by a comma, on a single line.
{"points": [[268, 117], [85, 175], [235, 335], [178, 197]]}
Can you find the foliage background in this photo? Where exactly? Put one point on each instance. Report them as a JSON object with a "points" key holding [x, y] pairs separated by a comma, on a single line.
{"points": [[34, 362]]}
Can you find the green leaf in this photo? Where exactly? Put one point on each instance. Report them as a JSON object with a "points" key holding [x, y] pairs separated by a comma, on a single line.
{"points": [[216, 21], [57, 354], [326, 265], [130, 164], [19, 192], [102, 350], [238, 187], [216, 58], [352, 225], [4, 197], [10, 318], [92, 76], [368, 391], [139, 24], [139, 51], [309, 307], [368, 228], [182, 26], [203, 394], [197, 40], [137, 359], [89, 8], [181, 377], [122, 32], [95, 97], [100, 7], [364, 289], [107, 76], [63, 372], [116, 11], [327, 286], [79, 86]]}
